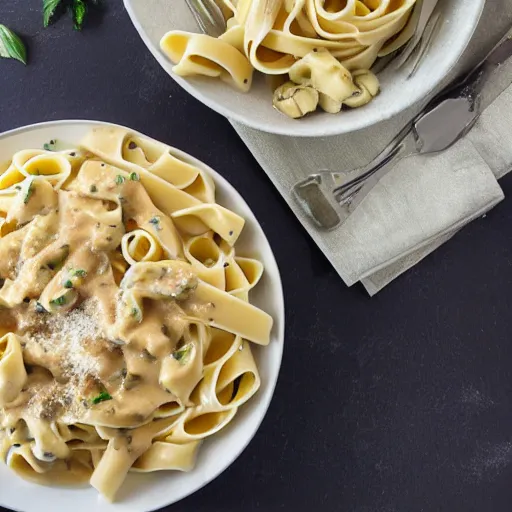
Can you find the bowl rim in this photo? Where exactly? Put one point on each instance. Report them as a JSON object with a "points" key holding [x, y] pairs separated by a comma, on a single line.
{"points": [[279, 320], [423, 89]]}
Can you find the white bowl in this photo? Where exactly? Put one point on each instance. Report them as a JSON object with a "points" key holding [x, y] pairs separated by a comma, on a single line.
{"points": [[153, 18], [142, 493]]}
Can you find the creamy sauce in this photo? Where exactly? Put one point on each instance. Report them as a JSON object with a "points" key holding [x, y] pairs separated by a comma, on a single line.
{"points": [[116, 352], [93, 350]]}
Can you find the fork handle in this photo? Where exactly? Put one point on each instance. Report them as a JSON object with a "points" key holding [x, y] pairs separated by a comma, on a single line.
{"points": [[329, 197]]}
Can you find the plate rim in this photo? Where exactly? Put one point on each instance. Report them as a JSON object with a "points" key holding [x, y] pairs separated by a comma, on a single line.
{"points": [[279, 322], [304, 130]]}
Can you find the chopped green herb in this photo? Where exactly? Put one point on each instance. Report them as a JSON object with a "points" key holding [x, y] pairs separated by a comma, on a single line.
{"points": [[120, 179], [59, 301], [68, 284], [137, 314], [30, 191], [134, 176], [156, 222], [182, 355], [102, 397], [50, 146], [17, 187], [79, 273], [11, 46], [93, 188]]}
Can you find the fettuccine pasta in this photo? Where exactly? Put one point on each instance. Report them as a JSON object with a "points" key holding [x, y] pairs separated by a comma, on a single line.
{"points": [[125, 321], [319, 51]]}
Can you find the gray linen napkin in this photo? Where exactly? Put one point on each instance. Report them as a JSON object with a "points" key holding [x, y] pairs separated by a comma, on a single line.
{"points": [[421, 203]]}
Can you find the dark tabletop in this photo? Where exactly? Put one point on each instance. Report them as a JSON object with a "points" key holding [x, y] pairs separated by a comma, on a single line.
{"points": [[398, 403]]}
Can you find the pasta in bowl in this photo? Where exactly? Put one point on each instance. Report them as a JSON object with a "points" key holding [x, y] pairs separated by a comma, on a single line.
{"points": [[129, 333], [320, 51], [351, 36]]}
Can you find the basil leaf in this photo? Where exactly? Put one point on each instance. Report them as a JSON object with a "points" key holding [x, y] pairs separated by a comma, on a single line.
{"points": [[11, 46], [49, 10], [79, 13]]}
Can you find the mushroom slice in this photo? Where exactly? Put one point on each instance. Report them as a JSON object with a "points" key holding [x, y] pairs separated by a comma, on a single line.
{"points": [[320, 70], [368, 87], [295, 100], [328, 104]]}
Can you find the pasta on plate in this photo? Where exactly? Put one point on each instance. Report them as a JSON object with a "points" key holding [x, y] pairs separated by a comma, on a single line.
{"points": [[125, 320], [318, 51]]}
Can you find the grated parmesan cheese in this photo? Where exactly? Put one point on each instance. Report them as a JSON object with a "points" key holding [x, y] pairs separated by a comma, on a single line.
{"points": [[65, 344]]}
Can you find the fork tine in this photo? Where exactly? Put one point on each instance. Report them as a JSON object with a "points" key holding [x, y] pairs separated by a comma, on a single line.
{"points": [[427, 8], [208, 15], [426, 43]]}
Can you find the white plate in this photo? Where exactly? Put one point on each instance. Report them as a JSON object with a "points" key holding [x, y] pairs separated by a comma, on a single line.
{"points": [[143, 493], [153, 18]]}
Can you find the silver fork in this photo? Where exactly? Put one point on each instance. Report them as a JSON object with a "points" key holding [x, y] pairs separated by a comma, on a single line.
{"points": [[419, 43], [330, 197], [208, 15]]}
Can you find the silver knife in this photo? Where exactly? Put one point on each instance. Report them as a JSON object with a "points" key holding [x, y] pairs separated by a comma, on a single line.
{"points": [[329, 197]]}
